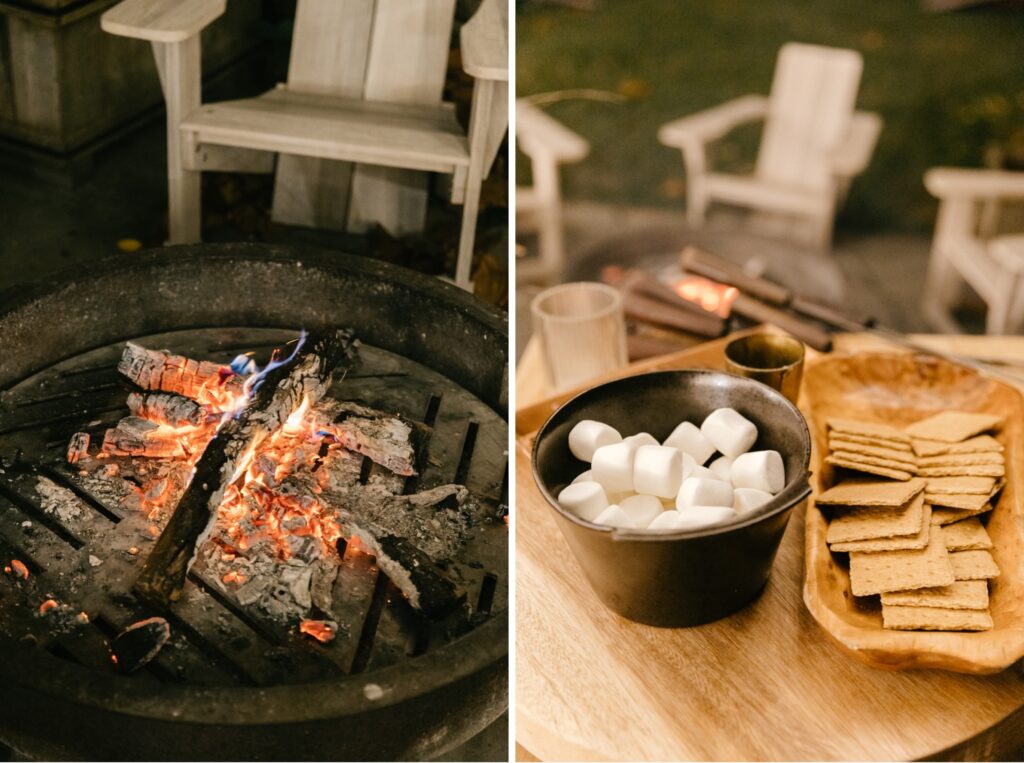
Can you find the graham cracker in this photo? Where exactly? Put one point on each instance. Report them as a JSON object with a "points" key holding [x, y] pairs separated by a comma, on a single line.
{"points": [[967, 470], [901, 570], [943, 516], [957, 501], [848, 446], [877, 442], [963, 594], [968, 535], [895, 543], [952, 426], [973, 565], [860, 466], [935, 619], [983, 443], [962, 484], [868, 492], [962, 459], [869, 524], [889, 463], [868, 429]]}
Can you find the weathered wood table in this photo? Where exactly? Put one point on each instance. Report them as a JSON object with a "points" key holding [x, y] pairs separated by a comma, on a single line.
{"points": [[763, 684]]}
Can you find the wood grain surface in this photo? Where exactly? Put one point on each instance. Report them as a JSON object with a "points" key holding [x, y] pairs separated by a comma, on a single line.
{"points": [[764, 684]]}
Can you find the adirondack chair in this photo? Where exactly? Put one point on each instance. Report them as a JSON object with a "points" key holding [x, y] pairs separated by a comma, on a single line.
{"points": [[969, 246], [813, 143], [356, 127], [549, 144]]}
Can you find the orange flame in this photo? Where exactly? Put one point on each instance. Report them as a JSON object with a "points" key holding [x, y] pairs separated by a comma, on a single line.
{"points": [[712, 296]]}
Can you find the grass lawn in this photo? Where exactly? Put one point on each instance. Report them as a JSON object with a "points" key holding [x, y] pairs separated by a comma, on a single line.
{"points": [[949, 86]]}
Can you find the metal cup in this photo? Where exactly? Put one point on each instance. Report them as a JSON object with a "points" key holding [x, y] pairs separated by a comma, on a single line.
{"points": [[773, 359]]}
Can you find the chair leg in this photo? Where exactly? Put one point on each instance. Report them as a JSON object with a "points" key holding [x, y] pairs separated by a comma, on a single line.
{"points": [[942, 284], [184, 208], [470, 208], [696, 195]]}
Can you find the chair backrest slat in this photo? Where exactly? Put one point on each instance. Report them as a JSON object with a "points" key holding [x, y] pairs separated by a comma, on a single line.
{"points": [[814, 91]]}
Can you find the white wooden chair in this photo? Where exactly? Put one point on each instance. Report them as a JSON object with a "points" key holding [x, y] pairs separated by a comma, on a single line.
{"points": [[813, 143], [549, 144], [356, 126], [967, 246]]}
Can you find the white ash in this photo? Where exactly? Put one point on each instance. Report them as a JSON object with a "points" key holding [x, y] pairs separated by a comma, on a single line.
{"points": [[59, 501]]}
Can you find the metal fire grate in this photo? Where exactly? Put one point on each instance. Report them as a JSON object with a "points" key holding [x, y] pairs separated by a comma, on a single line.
{"points": [[82, 559]]}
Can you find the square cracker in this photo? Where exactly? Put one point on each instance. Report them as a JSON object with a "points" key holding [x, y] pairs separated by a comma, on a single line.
{"points": [[962, 459], [943, 516], [888, 463], [867, 492], [968, 535], [983, 443], [966, 470], [859, 466], [868, 429], [877, 442], [895, 543], [973, 565], [935, 619], [869, 524], [952, 426], [966, 501], [849, 446], [963, 594], [901, 570], [962, 484]]}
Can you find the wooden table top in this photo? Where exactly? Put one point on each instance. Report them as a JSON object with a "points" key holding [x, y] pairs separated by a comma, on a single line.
{"points": [[763, 684]]}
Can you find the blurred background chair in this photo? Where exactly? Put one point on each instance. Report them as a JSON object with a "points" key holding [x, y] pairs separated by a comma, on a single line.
{"points": [[548, 144], [814, 143], [357, 126], [969, 247]]}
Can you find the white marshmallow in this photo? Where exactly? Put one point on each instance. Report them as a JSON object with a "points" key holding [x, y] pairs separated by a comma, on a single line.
{"points": [[721, 467], [665, 521], [587, 476], [703, 473], [584, 499], [642, 509], [612, 466], [613, 516], [636, 440], [657, 470], [760, 469], [589, 435], [730, 432], [689, 464], [697, 517], [689, 439], [700, 491], [748, 499]]}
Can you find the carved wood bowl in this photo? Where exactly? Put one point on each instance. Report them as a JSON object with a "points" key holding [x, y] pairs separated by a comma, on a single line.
{"points": [[898, 389]]}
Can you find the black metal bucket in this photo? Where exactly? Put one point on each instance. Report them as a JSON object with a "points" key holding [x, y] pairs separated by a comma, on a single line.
{"points": [[688, 577]]}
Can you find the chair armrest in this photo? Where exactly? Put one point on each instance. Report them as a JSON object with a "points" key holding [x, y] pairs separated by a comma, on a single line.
{"points": [[484, 42], [946, 182], [852, 156], [161, 20], [713, 123], [539, 135]]}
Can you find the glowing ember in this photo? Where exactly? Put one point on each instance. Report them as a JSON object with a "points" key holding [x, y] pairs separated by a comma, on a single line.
{"points": [[19, 569], [712, 296], [46, 606], [322, 630]]}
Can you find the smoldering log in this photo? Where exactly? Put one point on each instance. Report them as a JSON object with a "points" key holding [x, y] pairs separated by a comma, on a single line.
{"points": [[78, 447], [139, 437], [307, 375], [158, 370], [167, 407], [384, 439]]}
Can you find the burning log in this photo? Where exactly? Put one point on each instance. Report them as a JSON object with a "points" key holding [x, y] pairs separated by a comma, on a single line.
{"points": [[168, 408], [384, 439], [156, 370], [78, 447], [302, 380], [139, 437]]}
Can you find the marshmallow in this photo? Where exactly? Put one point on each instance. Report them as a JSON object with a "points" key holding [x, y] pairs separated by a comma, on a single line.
{"points": [[636, 440], [612, 466], [700, 491], [730, 432], [589, 435], [760, 469], [721, 467], [747, 499], [587, 476], [657, 470], [665, 521], [613, 516], [697, 517], [584, 499], [704, 473], [642, 509], [690, 440], [689, 464]]}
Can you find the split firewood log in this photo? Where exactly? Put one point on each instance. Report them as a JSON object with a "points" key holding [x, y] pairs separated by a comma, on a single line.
{"points": [[158, 370], [167, 407]]}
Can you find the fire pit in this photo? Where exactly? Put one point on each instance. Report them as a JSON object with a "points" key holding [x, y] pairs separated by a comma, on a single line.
{"points": [[371, 672]]}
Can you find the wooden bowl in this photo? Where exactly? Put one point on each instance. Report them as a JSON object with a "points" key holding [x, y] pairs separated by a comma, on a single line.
{"points": [[899, 389]]}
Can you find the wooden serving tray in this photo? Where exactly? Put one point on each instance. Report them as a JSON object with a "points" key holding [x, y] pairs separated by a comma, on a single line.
{"points": [[899, 389], [764, 684]]}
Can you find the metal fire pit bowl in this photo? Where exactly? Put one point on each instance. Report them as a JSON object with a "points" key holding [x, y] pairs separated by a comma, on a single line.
{"points": [[388, 705], [681, 578]]}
